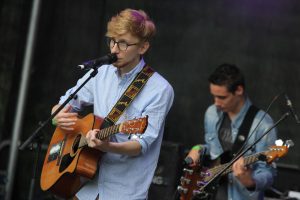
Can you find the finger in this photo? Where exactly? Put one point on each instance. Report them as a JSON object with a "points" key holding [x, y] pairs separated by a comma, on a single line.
{"points": [[88, 135], [64, 120], [234, 168], [67, 108], [70, 114], [67, 128], [67, 124]]}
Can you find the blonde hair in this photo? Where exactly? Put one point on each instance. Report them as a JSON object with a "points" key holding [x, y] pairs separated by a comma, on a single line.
{"points": [[135, 22]]}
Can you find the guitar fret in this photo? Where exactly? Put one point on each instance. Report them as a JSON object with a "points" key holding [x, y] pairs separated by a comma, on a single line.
{"points": [[110, 130], [117, 128], [104, 133], [98, 136]]}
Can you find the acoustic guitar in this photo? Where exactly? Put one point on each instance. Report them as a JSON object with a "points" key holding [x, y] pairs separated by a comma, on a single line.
{"points": [[69, 162], [194, 180]]}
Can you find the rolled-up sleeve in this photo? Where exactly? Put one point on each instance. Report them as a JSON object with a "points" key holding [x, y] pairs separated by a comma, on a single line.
{"points": [[157, 109]]}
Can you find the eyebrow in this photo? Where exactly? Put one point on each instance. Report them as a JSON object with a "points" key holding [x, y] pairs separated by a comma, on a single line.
{"points": [[220, 97], [121, 40]]}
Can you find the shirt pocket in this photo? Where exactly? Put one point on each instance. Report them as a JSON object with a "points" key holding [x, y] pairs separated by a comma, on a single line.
{"points": [[214, 147]]}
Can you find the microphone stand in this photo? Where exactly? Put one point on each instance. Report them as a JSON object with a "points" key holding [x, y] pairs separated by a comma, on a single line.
{"points": [[218, 175], [37, 133]]}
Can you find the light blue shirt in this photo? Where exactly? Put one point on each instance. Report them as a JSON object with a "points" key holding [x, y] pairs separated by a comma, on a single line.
{"points": [[123, 177], [263, 174]]}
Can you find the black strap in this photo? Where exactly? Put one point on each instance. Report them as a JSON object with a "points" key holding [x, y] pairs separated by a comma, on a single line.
{"points": [[244, 129], [127, 97]]}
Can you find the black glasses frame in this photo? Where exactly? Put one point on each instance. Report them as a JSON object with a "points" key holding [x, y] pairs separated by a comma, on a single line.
{"points": [[123, 48]]}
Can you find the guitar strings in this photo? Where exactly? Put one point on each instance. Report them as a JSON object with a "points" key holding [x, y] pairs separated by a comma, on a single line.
{"points": [[215, 170]]}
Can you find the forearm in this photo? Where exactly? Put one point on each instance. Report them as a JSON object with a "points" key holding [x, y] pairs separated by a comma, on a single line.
{"points": [[131, 148]]}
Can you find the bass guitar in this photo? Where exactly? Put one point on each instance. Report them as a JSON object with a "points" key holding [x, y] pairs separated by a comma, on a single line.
{"points": [[195, 179], [69, 162]]}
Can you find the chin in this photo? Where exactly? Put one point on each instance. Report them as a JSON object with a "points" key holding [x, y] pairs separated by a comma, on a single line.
{"points": [[222, 109], [116, 64]]}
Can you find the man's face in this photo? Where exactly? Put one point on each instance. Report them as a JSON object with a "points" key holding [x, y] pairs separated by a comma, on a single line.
{"points": [[225, 100], [130, 56]]}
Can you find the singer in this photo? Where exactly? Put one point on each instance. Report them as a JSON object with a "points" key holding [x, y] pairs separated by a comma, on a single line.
{"points": [[127, 167], [227, 125]]}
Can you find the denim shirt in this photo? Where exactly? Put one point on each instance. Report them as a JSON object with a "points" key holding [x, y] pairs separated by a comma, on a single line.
{"points": [[263, 173]]}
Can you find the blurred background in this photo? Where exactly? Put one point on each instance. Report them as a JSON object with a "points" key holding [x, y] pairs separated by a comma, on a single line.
{"points": [[193, 38]]}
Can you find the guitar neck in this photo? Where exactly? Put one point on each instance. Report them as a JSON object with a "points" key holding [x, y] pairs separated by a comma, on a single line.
{"points": [[103, 133], [248, 160]]}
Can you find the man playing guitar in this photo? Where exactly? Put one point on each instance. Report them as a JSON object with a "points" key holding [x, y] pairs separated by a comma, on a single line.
{"points": [[222, 124], [127, 167]]}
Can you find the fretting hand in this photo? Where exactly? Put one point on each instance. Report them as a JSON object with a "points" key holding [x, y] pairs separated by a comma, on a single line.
{"points": [[243, 173]]}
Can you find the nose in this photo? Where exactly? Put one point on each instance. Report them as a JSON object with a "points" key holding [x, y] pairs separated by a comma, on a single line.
{"points": [[217, 102], [115, 49]]}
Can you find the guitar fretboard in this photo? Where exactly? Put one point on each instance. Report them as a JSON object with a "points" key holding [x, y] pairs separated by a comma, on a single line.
{"points": [[215, 170], [103, 133]]}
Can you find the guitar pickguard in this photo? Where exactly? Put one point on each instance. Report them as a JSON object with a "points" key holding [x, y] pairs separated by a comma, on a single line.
{"points": [[65, 162], [55, 150]]}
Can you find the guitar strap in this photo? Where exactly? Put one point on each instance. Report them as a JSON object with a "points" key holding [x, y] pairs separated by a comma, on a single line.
{"points": [[244, 129], [228, 155], [127, 97]]}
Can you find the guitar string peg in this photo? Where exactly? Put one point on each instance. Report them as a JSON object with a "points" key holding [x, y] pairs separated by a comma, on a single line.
{"points": [[182, 190], [189, 171], [289, 143]]}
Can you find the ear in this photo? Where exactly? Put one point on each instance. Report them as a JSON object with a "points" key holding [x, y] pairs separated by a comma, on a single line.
{"points": [[239, 90], [144, 47]]}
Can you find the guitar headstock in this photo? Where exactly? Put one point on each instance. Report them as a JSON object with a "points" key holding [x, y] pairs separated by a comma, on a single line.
{"points": [[278, 151], [135, 125]]}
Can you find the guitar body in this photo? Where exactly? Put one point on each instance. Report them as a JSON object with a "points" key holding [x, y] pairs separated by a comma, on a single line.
{"points": [[65, 163]]}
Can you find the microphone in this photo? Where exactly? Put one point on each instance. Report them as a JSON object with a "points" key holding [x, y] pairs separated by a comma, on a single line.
{"points": [[107, 59], [292, 110]]}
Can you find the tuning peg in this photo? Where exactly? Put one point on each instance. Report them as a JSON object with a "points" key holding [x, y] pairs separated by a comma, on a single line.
{"points": [[289, 143], [182, 190], [279, 142]]}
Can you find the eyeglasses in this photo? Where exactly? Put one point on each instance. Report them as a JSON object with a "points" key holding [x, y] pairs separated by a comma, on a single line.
{"points": [[122, 45]]}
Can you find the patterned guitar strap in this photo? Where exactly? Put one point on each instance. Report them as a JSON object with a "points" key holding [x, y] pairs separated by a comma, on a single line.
{"points": [[127, 97]]}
